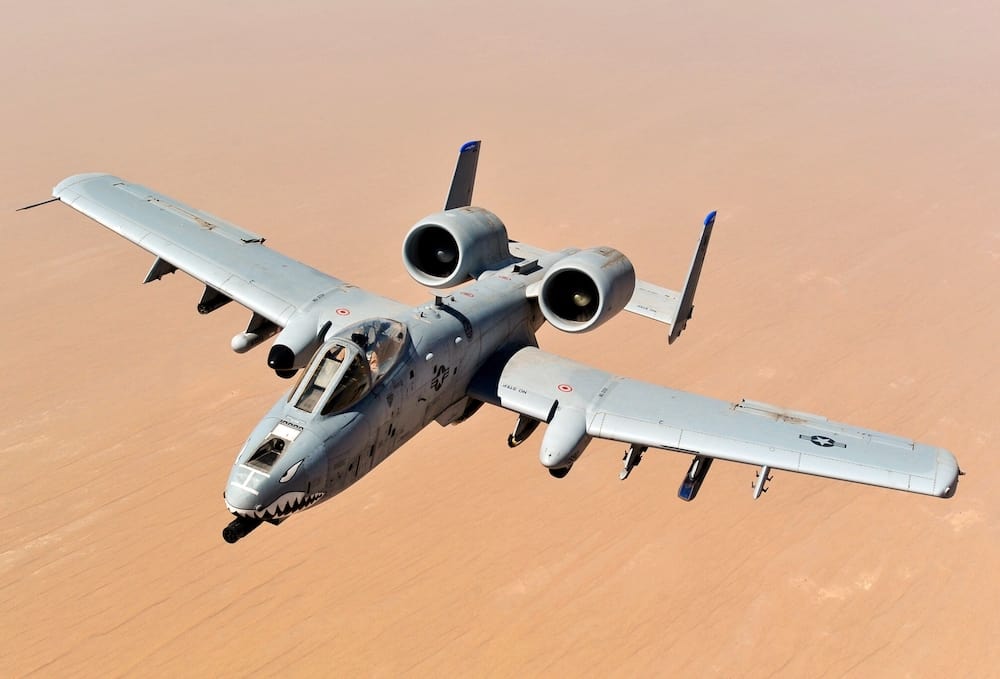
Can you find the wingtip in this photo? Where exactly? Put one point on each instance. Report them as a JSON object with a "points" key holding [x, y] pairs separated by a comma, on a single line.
{"points": [[59, 188], [470, 146], [948, 474], [710, 218]]}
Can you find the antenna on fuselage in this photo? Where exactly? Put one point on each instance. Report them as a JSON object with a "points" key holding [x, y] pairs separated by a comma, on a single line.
{"points": [[460, 194]]}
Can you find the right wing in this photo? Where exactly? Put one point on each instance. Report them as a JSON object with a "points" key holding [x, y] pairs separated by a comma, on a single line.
{"points": [[583, 401], [233, 263]]}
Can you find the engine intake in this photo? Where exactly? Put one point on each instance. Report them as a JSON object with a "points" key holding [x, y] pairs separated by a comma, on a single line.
{"points": [[450, 247], [587, 288]]}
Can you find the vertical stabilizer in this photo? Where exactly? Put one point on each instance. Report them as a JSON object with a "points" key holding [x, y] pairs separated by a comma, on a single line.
{"points": [[465, 176], [686, 306]]}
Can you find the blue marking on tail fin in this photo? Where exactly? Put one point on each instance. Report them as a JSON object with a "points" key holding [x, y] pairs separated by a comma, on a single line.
{"points": [[710, 218], [464, 179]]}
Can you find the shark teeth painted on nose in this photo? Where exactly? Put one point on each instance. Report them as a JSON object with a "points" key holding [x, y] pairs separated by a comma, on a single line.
{"points": [[286, 504]]}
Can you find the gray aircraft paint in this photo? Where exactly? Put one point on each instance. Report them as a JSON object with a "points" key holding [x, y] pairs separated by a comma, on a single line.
{"points": [[472, 345]]}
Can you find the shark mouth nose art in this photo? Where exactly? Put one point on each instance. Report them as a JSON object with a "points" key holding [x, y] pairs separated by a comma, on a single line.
{"points": [[285, 505]]}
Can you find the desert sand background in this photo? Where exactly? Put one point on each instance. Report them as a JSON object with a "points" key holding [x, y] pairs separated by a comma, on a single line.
{"points": [[851, 150]]}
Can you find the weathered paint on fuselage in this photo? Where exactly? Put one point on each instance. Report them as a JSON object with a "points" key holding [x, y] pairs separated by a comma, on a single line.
{"points": [[448, 342]]}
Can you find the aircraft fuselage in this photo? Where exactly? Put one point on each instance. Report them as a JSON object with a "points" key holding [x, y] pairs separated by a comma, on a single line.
{"points": [[448, 340]]}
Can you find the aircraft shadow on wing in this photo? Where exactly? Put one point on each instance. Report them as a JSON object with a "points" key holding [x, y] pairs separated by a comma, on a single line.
{"points": [[373, 372]]}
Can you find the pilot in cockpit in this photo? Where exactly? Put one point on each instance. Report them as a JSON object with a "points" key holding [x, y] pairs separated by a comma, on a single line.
{"points": [[368, 346]]}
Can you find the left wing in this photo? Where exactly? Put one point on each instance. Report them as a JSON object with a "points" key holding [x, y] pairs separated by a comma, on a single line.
{"points": [[581, 401], [233, 263]]}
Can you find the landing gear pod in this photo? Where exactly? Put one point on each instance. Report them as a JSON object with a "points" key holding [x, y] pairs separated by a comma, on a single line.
{"points": [[564, 441]]}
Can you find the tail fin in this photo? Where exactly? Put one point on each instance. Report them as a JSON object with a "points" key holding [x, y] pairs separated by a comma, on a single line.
{"points": [[465, 176], [686, 306]]}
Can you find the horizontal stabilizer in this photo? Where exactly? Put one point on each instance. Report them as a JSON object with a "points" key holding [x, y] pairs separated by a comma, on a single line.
{"points": [[652, 301]]}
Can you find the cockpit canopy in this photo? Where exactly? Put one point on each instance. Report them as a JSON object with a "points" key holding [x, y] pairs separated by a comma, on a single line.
{"points": [[343, 370]]}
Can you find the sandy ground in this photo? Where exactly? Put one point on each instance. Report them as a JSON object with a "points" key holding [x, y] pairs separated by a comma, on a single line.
{"points": [[852, 153]]}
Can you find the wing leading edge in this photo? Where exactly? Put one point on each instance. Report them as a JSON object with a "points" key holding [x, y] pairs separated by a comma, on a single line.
{"points": [[642, 414], [232, 262], [225, 257]]}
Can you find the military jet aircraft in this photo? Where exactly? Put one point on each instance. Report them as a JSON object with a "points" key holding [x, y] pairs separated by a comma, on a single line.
{"points": [[374, 372]]}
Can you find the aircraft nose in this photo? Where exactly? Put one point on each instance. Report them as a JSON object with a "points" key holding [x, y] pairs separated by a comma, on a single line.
{"points": [[240, 500], [291, 483], [274, 505]]}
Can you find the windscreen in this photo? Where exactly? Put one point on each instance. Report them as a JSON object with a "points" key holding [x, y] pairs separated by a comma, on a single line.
{"points": [[351, 388], [321, 379]]}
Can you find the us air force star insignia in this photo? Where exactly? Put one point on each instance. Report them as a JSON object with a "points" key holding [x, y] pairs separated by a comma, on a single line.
{"points": [[823, 441]]}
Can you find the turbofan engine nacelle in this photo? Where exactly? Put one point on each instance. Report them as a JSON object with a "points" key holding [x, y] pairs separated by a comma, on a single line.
{"points": [[296, 344], [586, 288], [450, 247]]}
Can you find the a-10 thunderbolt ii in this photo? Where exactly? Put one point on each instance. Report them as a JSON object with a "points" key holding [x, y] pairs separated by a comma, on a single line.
{"points": [[375, 372]]}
